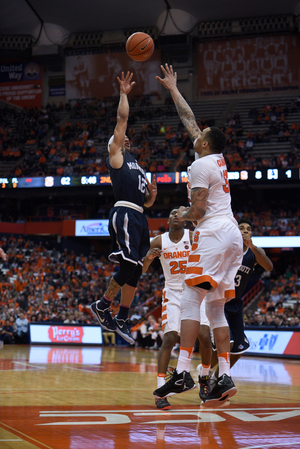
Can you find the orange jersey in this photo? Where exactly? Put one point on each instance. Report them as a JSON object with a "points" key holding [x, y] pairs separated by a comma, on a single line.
{"points": [[174, 258]]}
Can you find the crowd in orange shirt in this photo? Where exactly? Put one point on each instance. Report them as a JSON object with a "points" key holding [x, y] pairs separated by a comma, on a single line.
{"points": [[281, 305], [50, 285], [72, 149]]}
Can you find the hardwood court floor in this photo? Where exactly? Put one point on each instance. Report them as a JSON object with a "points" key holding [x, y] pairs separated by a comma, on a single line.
{"points": [[101, 398]]}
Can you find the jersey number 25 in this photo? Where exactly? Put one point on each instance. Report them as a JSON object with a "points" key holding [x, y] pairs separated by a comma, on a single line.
{"points": [[178, 266]]}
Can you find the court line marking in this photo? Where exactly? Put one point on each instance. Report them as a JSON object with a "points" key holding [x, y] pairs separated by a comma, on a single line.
{"points": [[30, 365], [11, 440], [268, 445], [26, 436], [80, 369], [159, 412]]}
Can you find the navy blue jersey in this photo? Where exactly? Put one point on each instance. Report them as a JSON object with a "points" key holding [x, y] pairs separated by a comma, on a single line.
{"points": [[241, 278], [128, 182]]}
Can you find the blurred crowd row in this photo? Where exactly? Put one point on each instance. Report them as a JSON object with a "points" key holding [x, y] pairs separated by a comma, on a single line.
{"points": [[45, 142], [43, 284]]}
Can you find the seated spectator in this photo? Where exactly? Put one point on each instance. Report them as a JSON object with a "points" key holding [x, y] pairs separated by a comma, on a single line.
{"points": [[7, 333], [269, 320], [21, 332], [279, 308], [154, 339], [70, 319], [139, 333], [109, 338], [259, 320]]}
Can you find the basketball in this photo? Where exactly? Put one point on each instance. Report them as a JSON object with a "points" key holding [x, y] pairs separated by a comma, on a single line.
{"points": [[139, 46]]}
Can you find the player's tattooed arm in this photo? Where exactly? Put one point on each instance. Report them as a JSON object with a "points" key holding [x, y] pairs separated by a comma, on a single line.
{"points": [[187, 117], [184, 111], [197, 209]]}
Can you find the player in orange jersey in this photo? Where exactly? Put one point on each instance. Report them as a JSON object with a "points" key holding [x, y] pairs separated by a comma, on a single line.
{"points": [[216, 253], [173, 248]]}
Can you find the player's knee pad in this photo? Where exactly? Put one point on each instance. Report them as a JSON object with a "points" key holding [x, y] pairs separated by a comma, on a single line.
{"points": [[136, 276], [190, 303], [125, 272], [215, 313]]}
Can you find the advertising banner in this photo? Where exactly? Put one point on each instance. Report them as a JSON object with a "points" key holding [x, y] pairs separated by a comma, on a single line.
{"points": [[273, 342], [252, 65], [91, 228], [21, 83], [65, 334], [93, 75]]}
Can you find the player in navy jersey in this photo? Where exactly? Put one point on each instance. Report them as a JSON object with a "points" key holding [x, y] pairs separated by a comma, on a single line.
{"points": [[234, 309], [128, 225]]}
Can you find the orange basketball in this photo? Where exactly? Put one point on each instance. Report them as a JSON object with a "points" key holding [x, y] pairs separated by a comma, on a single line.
{"points": [[139, 46]]}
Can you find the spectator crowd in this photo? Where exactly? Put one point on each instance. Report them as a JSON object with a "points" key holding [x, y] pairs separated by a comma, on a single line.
{"points": [[40, 284], [78, 145]]}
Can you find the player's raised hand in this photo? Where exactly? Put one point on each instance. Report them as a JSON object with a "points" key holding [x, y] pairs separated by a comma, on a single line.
{"points": [[247, 241], [170, 79], [152, 186], [125, 83], [3, 255]]}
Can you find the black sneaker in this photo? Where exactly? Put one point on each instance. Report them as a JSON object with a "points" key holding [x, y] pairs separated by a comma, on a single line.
{"points": [[204, 386], [162, 404], [170, 373], [223, 390], [179, 383], [123, 330], [104, 317]]}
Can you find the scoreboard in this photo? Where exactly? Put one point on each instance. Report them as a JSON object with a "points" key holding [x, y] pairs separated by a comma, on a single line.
{"points": [[253, 177]]}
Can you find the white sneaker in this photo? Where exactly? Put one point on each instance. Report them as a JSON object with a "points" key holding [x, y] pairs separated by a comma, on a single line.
{"points": [[199, 370]]}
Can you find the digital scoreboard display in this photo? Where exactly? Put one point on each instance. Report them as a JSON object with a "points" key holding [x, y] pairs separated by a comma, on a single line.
{"points": [[265, 176]]}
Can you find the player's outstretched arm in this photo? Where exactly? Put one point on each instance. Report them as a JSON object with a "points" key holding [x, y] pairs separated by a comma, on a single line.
{"points": [[115, 155], [184, 111], [154, 251]]}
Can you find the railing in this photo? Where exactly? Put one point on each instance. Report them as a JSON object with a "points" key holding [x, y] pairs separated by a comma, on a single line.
{"points": [[249, 296], [54, 218]]}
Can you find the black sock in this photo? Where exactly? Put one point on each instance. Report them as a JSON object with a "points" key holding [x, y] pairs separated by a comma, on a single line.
{"points": [[123, 313], [103, 304]]}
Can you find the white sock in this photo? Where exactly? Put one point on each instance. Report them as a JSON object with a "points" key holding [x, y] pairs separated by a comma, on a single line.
{"points": [[224, 363], [205, 370], [160, 381], [184, 360]]}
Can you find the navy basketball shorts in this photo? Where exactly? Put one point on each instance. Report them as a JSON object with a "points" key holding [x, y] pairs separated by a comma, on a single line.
{"points": [[129, 231]]}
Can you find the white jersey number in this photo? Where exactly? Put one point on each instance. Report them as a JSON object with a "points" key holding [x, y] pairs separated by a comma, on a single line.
{"points": [[142, 184]]}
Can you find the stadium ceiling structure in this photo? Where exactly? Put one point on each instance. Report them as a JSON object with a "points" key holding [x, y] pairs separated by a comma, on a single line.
{"points": [[24, 16]]}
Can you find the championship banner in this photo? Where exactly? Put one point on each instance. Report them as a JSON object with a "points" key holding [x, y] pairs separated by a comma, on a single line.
{"points": [[21, 83], [94, 75], [252, 65]]}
